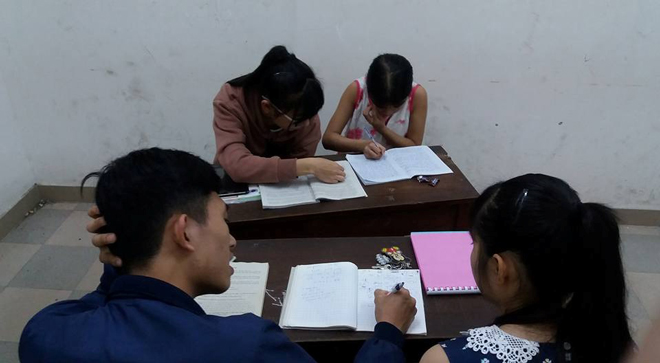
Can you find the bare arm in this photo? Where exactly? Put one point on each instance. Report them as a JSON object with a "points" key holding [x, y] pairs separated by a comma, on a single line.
{"points": [[416, 127], [332, 138]]}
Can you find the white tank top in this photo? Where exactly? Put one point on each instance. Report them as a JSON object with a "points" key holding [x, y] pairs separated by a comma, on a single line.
{"points": [[357, 127]]}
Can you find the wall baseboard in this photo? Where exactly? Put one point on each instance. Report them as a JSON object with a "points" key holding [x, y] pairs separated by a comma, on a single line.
{"points": [[639, 217], [16, 214], [55, 193], [58, 193], [29, 201]]}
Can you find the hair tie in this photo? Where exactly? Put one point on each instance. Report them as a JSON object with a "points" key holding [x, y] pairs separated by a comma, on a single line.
{"points": [[519, 203]]}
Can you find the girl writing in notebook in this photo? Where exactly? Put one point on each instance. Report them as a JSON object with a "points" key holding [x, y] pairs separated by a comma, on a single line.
{"points": [[385, 109], [553, 266], [266, 124]]}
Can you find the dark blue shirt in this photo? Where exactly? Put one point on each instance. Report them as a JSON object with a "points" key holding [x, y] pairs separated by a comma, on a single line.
{"points": [[140, 319]]}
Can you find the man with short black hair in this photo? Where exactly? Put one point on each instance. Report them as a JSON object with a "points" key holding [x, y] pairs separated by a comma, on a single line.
{"points": [[172, 238]]}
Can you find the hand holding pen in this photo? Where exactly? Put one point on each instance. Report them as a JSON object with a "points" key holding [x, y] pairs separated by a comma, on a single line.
{"points": [[396, 307], [373, 150]]}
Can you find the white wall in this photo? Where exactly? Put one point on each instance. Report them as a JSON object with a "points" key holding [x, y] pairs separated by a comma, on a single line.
{"points": [[569, 88], [16, 176]]}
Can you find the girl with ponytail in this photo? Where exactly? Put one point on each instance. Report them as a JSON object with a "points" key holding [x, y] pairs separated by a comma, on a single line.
{"points": [[266, 123], [553, 266]]}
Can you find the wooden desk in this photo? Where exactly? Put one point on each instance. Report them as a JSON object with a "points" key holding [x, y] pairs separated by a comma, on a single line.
{"points": [[446, 315], [391, 209]]}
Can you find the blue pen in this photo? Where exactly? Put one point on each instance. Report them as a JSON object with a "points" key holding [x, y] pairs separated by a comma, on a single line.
{"points": [[371, 137], [396, 288]]}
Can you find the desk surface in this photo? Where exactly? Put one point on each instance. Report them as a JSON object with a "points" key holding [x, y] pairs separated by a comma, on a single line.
{"points": [[452, 196], [446, 315]]}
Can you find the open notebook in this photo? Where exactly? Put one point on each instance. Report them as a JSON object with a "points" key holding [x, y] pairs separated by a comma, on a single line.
{"points": [[444, 262], [309, 190], [338, 296], [245, 295], [398, 164]]}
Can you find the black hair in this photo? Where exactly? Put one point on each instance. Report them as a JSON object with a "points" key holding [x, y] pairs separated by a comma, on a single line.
{"points": [[571, 258], [389, 80], [138, 193], [286, 81]]}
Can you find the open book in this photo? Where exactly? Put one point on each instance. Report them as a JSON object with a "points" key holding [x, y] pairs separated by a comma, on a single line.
{"points": [[309, 190], [245, 295], [338, 296], [398, 164]]}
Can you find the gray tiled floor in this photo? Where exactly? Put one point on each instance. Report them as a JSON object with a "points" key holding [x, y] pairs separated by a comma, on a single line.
{"points": [[37, 228], [56, 267], [49, 258], [72, 232], [13, 257], [18, 305], [636, 309], [83, 207], [77, 294], [8, 352]]}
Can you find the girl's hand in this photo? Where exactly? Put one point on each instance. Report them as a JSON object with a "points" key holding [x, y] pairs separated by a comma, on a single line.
{"points": [[373, 119], [324, 170], [374, 150], [328, 171]]}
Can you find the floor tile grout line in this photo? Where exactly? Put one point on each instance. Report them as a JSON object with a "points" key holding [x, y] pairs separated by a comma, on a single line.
{"points": [[20, 269], [34, 288]]}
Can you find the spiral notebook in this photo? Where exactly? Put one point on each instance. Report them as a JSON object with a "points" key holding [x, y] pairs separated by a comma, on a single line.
{"points": [[444, 262]]}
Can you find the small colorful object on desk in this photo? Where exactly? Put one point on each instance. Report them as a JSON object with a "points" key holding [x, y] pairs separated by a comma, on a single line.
{"points": [[425, 179], [391, 258]]}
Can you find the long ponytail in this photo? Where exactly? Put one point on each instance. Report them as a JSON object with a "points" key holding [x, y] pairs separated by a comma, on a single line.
{"points": [[598, 303]]}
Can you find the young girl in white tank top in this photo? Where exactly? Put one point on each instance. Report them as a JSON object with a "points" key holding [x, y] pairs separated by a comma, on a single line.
{"points": [[385, 109]]}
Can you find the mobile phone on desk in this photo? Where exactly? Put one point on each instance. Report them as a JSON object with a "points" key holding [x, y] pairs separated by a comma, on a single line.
{"points": [[229, 187]]}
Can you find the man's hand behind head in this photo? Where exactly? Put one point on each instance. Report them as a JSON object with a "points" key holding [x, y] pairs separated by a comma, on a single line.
{"points": [[102, 240]]}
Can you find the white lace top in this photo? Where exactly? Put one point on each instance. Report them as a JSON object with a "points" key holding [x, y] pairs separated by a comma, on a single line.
{"points": [[491, 344]]}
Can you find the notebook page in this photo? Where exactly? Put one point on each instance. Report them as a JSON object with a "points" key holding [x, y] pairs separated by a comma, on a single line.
{"points": [[376, 171], [321, 296], [370, 280], [418, 160], [287, 194], [348, 189], [245, 295]]}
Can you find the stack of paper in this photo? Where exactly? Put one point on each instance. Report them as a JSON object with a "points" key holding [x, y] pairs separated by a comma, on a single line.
{"points": [[245, 295]]}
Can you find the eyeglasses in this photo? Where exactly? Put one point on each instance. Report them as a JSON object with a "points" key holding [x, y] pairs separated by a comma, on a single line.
{"points": [[293, 124]]}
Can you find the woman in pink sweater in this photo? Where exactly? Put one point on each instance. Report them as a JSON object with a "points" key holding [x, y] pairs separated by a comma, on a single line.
{"points": [[266, 123]]}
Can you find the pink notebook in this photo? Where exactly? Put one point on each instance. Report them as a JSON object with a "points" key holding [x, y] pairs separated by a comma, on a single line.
{"points": [[444, 262]]}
